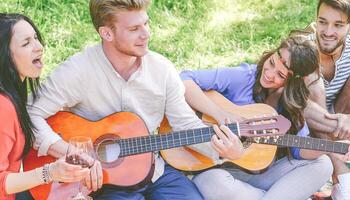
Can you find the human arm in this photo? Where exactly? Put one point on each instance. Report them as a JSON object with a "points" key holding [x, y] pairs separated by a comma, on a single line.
{"points": [[308, 153], [342, 108], [11, 148], [227, 81], [61, 89], [315, 116], [322, 123], [196, 98], [59, 171], [316, 107], [185, 118]]}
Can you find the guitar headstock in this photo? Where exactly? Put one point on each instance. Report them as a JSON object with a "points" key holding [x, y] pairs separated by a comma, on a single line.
{"points": [[263, 126]]}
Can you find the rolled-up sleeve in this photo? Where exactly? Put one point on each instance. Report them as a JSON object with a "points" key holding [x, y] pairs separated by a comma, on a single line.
{"points": [[210, 79], [7, 138], [5, 149], [58, 91], [222, 79]]}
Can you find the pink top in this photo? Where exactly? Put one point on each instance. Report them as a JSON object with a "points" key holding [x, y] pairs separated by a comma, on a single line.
{"points": [[11, 143]]}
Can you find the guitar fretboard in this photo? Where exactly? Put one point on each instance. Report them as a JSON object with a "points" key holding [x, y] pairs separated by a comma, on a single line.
{"points": [[175, 139], [304, 143]]}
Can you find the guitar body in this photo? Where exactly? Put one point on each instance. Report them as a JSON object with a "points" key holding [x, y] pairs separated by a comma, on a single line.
{"points": [[256, 158], [130, 171], [125, 148]]}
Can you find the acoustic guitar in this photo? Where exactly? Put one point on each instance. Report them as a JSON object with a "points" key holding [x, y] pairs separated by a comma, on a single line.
{"points": [[126, 149], [258, 155]]}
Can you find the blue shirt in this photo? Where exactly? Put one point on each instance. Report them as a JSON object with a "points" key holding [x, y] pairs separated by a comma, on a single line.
{"points": [[236, 84]]}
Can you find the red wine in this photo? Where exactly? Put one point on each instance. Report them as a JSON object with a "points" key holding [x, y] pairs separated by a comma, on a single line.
{"points": [[75, 159]]}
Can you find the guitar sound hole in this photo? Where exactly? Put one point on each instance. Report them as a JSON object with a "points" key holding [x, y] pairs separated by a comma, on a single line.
{"points": [[108, 151]]}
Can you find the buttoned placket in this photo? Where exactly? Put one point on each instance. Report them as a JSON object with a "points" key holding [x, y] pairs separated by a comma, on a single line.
{"points": [[124, 96]]}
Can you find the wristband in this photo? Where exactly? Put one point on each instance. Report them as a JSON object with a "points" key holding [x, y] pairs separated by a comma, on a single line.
{"points": [[46, 174]]}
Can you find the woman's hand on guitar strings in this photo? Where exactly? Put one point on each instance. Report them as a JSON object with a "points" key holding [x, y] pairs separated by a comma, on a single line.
{"points": [[227, 144]]}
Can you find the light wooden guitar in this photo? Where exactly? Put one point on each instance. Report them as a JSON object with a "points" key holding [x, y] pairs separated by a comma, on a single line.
{"points": [[259, 155], [125, 147]]}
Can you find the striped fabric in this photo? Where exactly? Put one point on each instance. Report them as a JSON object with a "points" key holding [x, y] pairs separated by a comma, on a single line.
{"points": [[342, 72]]}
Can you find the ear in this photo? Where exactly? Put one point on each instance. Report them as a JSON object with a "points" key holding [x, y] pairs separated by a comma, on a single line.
{"points": [[106, 33]]}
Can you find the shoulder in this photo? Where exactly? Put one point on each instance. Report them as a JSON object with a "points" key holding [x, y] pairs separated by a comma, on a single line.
{"points": [[159, 63], [245, 68], [8, 114], [347, 46], [156, 58], [77, 66], [6, 106], [83, 58], [242, 72], [348, 41]]}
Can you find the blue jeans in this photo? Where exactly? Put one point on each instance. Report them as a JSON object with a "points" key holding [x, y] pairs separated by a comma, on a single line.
{"points": [[24, 196], [171, 185], [285, 179]]}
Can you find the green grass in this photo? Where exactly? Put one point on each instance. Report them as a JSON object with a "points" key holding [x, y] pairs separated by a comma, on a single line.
{"points": [[191, 33]]}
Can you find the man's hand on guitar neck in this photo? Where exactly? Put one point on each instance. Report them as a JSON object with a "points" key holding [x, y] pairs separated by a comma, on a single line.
{"points": [[227, 144]]}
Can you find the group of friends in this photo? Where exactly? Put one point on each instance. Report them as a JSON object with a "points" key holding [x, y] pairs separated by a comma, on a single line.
{"points": [[305, 79]]}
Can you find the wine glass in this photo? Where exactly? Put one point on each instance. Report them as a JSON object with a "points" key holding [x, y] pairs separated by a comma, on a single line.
{"points": [[80, 152]]}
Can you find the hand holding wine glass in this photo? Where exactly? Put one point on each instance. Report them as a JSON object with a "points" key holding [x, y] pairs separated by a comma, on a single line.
{"points": [[80, 152], [61, 171]]}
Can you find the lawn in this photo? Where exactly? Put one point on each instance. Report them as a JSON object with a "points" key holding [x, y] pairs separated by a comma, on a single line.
{"points": [[191, 33]]}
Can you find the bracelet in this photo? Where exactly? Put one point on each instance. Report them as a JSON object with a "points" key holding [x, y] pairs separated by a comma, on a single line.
{"points": [[46, 174]]}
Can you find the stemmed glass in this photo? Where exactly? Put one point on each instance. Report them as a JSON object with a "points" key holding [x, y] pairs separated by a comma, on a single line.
{"points": [[80, 152]]}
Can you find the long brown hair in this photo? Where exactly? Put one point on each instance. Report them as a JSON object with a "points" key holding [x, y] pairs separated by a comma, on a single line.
{"points": [[304, 60]]}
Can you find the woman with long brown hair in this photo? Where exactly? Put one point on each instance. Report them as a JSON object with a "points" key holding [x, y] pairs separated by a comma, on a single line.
{"points": [[277, 80]]}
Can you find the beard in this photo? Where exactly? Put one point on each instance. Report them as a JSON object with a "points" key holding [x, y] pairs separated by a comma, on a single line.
{"points": [[329, 49], [130, 51]]}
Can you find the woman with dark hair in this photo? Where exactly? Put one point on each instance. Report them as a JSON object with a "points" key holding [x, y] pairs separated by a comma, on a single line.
{"points": [[21, 54], [277, 80]]}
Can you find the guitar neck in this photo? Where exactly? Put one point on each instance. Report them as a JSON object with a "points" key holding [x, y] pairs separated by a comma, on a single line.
{"points": [[152, 143], [304, 143]]}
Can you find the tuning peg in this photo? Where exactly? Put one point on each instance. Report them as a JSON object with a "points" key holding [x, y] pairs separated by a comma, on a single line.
{"points": [[265, 140], [257, 139]]}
